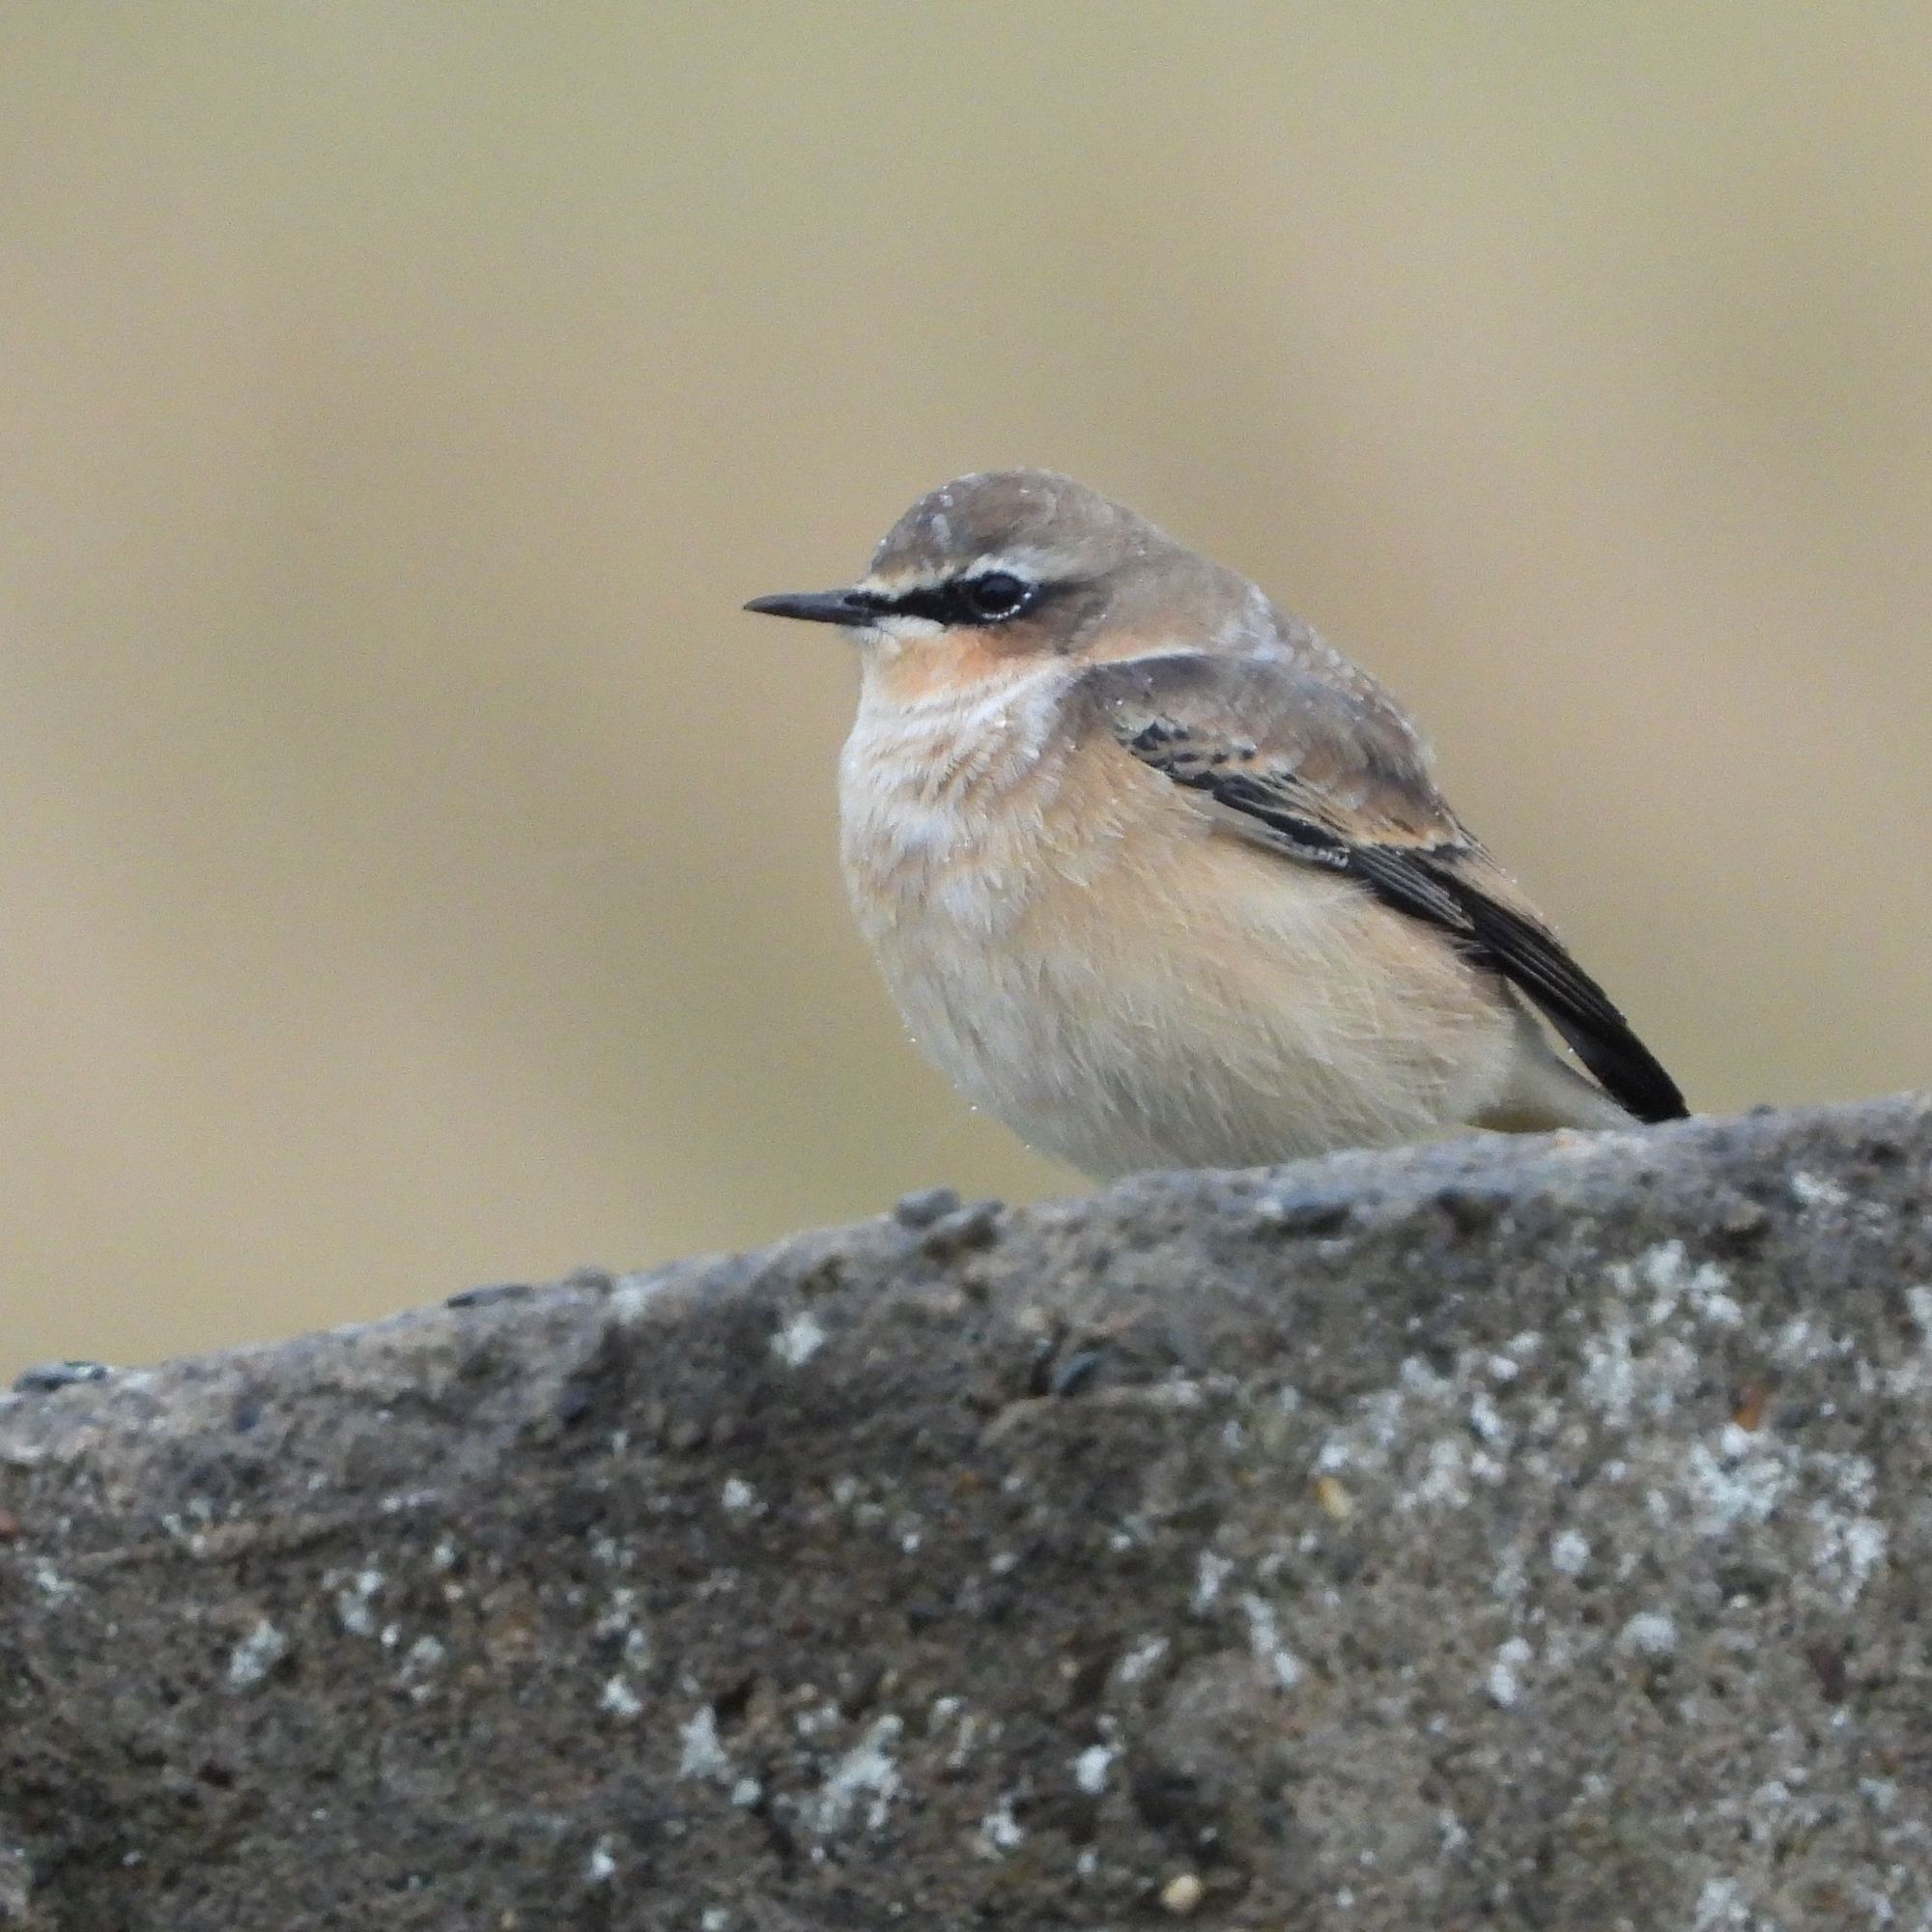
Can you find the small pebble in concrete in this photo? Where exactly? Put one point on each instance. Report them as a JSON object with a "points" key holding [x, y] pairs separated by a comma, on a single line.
{"points": [[966, 1229], [1335, 1501], [925, 1206], [488, 1294], [44, 1378], [1182, 1893]]}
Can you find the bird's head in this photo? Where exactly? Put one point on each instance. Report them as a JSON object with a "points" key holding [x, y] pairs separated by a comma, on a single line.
{"points": [[1006, 566]]}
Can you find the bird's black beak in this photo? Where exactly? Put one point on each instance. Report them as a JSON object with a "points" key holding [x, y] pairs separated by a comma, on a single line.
{"points": [[816, 607]]}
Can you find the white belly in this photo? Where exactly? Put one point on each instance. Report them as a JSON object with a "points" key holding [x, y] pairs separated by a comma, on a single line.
{"points": [[1088, 960]]}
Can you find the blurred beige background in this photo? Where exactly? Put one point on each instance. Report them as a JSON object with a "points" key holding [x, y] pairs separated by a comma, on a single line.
{"points": [[416, 871]]}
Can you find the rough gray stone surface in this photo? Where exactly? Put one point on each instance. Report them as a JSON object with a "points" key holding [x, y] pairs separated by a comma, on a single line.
{"points": [[1504, 1535]]}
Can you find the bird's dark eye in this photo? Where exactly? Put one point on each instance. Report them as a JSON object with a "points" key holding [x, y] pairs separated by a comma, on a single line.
{"points": [[997, 596]]}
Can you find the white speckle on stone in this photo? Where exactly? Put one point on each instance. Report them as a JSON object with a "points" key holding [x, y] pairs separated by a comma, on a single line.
{"points": [[601, 1866], [1091, 1768], [1666, 1271], [1446, 1481], [738, 1497], [864, 1772], [1708, 1294], [714, 1919], [1765, 1808], [1455, 1833], [1004, 1562], [1000, 1831], [1485, 1419], [1570, 1552], [632, 1293], [1880, 1793], [1142, 1659], [964, 1744], [799, 1340], [1373, 1436], [1796, 1341], [1848, 1548], [49, 1581], [821, 1718], [1418, 1377], [746, 1792], [1511, 1581], [256, 1655], [395, 1504], [1741, 1481], [1649, 1634], [353, 1610], [1610, 1378], [1720, 1904], [1210, 1572], [424, 1654], [620, 1702], [443, 1555], [622, 1613], [1504, 1682], [1816, 1191], [702, 1755], [1918, 1299], [1264, 1641], [1749, 1476]]}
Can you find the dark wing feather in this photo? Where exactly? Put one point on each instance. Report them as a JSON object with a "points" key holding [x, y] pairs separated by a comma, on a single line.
{"points": [[1336, 778]]}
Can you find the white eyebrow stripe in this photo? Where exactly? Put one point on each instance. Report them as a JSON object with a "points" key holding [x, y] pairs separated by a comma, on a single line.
{"points": [[1026, 563]]}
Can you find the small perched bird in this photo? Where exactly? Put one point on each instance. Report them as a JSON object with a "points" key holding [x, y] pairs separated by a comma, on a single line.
{"points": [[1161, 879]]}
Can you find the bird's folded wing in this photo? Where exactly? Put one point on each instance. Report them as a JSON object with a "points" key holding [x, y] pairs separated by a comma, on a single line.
{"points": [[1337, 778]]}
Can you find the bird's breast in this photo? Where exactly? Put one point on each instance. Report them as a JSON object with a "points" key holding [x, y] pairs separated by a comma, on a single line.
{"points": [[1011, 881], [951, 809], [1075, 943]]}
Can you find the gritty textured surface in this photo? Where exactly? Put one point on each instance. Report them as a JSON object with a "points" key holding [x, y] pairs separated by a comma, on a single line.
{"points": [[1505, 1535]]}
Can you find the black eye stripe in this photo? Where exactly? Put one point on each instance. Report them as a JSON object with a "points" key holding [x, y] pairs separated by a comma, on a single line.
{"points": [[938, 602], [953, 603]]}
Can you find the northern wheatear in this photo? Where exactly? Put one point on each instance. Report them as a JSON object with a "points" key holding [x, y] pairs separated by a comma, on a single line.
{"points": [[1161, 879]]}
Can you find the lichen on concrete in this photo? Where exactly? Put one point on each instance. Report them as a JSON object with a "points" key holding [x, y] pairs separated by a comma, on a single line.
{"points": [[1500, 1534]]}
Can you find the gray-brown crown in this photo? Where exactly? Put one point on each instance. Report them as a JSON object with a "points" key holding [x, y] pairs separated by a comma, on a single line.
{"points": [[1034, 516]]}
